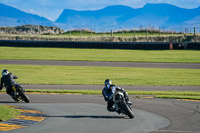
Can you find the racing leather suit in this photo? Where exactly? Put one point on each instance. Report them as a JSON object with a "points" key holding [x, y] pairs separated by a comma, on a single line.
{"points": [[107, 92], [8, 81]]}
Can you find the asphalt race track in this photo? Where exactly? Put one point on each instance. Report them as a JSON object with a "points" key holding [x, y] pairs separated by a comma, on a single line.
{"points": [[91, 118], [107, 64], [98, 87], [87, 113]]}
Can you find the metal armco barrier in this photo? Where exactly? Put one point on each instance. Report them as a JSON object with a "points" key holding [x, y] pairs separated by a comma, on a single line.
{"points": [[102, 45]]}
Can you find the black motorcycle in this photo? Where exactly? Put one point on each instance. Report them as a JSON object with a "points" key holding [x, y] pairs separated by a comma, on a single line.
{"points": [[19, 94], [121, 104]]}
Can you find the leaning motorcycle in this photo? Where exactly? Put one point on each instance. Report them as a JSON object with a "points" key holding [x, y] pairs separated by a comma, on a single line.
{"points": [[121, 104], [19, 94]]}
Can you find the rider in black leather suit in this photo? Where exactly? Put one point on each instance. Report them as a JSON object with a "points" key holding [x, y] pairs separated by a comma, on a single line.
{"points": [[107, 92], [8, 81]]}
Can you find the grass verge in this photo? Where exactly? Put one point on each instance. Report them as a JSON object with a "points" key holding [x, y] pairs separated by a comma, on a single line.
{"points": [[157, 94], [178, 97], [8, 113], [175, 56], [122, 33], [194, 95], [78, 75]]}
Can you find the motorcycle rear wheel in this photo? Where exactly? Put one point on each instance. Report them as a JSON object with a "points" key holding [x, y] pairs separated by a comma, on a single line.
{"points": [[24, 97]]}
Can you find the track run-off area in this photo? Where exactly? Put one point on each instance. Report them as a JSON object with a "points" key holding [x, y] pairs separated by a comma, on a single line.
{"points": [[74, 113]]}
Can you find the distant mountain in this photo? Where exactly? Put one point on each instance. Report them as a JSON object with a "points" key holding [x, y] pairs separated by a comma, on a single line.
{"points": [[10, 16], [98, 19], [118, 17], [111, 17]]}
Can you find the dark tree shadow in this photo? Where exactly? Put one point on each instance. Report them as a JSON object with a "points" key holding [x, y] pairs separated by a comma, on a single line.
{"points": [[8, 102], [91, 116]]}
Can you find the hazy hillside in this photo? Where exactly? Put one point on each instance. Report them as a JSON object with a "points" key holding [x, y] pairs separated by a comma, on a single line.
{"points": [[116, 17], [10, 16], [111, 17]]}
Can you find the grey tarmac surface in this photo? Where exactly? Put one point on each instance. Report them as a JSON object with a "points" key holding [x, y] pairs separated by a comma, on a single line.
{"points": [[107, 64], [126, 87], [184, 116], [87, 114], [91, 118]]}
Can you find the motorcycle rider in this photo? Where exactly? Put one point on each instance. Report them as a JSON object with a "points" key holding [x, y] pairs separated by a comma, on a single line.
{"points": [[107, 92], [8, 81]]}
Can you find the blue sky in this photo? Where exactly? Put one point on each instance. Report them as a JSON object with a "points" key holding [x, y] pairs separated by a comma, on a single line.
{"points": [[51, 9]]}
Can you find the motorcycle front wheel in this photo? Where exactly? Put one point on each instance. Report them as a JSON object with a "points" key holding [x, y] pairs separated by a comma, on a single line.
{"points": [[128, 110]]}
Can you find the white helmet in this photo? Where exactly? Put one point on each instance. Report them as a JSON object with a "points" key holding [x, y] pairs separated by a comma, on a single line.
{"points": [[107, 83], [4, 72]]}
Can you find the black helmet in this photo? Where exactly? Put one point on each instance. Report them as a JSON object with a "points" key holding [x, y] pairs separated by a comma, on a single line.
{"points": [[4, 72], [108, 82]]}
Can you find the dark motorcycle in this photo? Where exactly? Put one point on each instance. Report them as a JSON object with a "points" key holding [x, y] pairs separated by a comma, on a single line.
{"points": [[121, 104], [19, 94]]}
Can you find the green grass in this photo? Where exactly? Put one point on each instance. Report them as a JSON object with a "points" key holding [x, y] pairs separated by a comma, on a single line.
{"points": [[89, 92], [176, 93], [177, 56], [7, 113], [35, 74], [194, 95], [115, 34], [120, 33], [178, 97]]}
